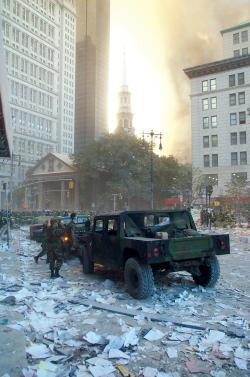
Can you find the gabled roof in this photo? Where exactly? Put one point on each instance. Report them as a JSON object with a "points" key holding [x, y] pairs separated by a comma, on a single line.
{"points": [[64, 158]]}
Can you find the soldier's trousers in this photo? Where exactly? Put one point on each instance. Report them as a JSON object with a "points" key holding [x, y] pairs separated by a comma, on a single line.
{"points": [[44, 250], [55, 259]]}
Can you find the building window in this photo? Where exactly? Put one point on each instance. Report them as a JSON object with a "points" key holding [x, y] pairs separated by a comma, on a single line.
{"points": [[205, 104], [206, 161], [205, 122], [205, 141], [234, 158], [239, 175], [244, 36], [241, 78], [214, 140], [241, 98], [214, 121], [233, 138], [243, 158], [236, 53], [242, 117], [213, 102], [213, 84], [214, 160], [205, 85], [232, 99], [245, 51], [243, 137], [236, 38], [233, 119], [231, 80]]}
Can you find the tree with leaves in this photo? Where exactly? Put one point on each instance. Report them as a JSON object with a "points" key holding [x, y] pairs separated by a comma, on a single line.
{"points": [[120, 164]]}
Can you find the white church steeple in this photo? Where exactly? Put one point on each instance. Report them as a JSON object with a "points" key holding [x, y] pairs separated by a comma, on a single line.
{"points": [[125, 115]]}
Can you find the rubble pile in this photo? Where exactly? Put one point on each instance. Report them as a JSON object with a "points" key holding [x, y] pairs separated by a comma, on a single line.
{"points": [[66, 335]]}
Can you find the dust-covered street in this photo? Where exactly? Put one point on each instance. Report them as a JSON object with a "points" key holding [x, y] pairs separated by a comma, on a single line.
{"points": [[87, 325]]}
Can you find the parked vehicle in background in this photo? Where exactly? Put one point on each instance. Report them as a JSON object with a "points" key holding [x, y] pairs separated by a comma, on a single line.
{"points": [[141, 242], [36, 228]]}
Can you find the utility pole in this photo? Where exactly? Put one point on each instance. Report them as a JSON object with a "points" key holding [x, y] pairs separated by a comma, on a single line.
{"points": [[152, 135]]}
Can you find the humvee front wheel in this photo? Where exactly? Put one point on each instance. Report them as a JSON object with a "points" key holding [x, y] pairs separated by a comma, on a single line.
{"points": [[88, 264], [138, 278], [209, 273]]}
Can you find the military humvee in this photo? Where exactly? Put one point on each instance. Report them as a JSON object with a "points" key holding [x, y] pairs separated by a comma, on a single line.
{"points": [[141, 242]]}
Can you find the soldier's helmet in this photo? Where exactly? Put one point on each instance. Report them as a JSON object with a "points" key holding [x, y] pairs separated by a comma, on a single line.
{"points": [[53, 221]]}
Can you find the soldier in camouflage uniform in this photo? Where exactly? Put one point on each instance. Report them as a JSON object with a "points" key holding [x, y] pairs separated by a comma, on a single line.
{"points": [[44, 245], [55, 247]]}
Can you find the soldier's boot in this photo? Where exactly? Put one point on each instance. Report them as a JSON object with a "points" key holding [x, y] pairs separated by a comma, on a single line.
{"points": [[52, 274], [36, 259], [57, 275]]}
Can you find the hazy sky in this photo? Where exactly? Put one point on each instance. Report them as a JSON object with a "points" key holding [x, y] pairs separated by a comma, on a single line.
{"points": [[161, 38]]}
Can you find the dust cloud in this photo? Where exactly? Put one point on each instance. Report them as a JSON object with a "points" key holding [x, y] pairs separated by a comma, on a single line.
{"points": [[192, 32], [168, 36]]}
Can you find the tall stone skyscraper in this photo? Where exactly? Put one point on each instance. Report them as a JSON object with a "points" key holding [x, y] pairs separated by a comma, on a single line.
{"points": [[92, 64], [39, 48]]}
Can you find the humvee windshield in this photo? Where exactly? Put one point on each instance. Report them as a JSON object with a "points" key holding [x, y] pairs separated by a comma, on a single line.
{"points": [[147, 224]]}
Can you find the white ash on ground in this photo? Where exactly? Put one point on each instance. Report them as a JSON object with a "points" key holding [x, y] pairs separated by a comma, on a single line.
{"points": [[67, 337]]}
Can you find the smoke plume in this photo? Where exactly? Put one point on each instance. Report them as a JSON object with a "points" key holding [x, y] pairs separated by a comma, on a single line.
{"points": [[193, 37]]}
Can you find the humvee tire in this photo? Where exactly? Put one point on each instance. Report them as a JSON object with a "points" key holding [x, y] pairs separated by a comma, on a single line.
{"points": [[138, 278], [88, 264], [209, 273]]}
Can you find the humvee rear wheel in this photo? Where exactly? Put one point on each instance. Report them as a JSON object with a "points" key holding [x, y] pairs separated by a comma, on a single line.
{"points": [[209, 274], [88, 264], [138, 278]]}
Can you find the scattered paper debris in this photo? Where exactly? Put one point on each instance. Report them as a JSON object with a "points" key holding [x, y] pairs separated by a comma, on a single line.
{"points": [[150, 372], [94, 338], [154, 334], [38, 351], [117, 354], [172, 352]]}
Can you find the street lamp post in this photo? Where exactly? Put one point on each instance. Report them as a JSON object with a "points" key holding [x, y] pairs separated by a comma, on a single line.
{"points": [[152, 135]]}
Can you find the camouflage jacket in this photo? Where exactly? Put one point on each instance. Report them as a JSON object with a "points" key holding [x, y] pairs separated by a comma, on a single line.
{"points": [[54, 235]]}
